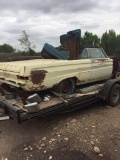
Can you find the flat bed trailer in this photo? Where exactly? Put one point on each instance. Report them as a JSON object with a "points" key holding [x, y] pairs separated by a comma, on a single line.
{"points": [[20, 115], [108, 91]]}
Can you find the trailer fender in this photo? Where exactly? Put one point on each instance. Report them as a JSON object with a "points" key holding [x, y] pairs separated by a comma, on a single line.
{"points": [[107, 87]]}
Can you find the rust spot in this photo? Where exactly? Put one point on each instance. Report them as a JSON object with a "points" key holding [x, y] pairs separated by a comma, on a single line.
{"points": [[99, 60], [89, 79], [102, 60], [38, 76], [22, 78], [43, 87], [78, 81], [39, 88]]}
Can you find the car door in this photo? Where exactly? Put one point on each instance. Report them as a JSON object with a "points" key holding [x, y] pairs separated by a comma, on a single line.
{"points": [[85, 67], [101, 64]]}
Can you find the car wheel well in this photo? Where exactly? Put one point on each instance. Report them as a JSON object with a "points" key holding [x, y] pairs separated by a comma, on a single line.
{"points": [[66, 86]]}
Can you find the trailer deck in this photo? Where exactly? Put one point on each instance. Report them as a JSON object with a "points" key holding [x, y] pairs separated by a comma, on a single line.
{"points": [[14, 108], [108, 91]]}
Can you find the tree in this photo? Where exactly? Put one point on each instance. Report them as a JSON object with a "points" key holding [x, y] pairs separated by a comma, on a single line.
{"points": [[26, 44], [6, 48], [90, 39], [117, 51], [109, 42]]}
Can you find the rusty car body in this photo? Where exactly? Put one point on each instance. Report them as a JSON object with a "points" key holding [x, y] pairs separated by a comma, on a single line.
{"points": [[41, 74]]}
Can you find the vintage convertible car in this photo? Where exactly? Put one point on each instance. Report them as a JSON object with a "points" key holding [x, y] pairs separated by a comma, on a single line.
{"points": [[89, 65]]}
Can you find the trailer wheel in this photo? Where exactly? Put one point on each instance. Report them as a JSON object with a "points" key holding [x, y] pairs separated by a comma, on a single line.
{"points": [[114, 96], [66, 86]]}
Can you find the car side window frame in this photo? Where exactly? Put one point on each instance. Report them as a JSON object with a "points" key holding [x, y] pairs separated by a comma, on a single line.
{"points": [[80, 57], [103, 55]]}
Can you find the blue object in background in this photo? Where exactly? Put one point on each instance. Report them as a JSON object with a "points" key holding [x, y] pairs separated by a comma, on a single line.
{"points": [[50, 52]]}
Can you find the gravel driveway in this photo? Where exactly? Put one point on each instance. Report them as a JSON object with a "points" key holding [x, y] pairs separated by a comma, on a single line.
{"points": [[91, 133]]}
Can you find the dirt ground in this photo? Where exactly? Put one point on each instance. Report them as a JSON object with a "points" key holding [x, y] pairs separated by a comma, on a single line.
{"points": [[64, 136]]}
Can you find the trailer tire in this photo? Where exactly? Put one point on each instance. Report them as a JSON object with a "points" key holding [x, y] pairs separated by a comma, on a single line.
{"points": [[114, 96], [66, 86]]}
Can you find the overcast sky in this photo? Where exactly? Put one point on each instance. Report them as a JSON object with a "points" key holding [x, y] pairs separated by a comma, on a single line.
{"points": [[45, 20]]}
